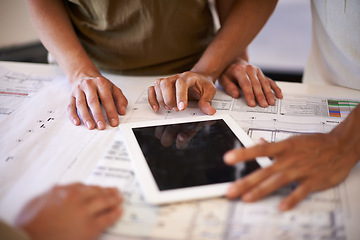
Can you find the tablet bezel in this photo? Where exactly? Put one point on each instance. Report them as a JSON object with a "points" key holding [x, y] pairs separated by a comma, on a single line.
{"points": [[143, 173]]}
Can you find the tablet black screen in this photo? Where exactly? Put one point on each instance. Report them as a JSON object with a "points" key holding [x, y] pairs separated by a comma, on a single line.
{"points": [[190, 154]]}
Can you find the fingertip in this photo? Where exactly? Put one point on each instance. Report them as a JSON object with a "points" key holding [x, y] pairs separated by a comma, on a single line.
{"points": [[75, 121], [231, 192], [101, 125], [155, 107], [114, 122], [235, 93], [89, 124], [229, 157], [207, 109], [181, 105], [122, 110], [252, 102], [284, 206]]}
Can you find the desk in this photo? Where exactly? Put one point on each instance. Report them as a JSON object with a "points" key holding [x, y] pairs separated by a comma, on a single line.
{"points": [[40, 147]]}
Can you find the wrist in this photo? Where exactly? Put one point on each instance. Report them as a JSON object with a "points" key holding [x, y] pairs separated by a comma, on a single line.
{"points": [[83, 73]]}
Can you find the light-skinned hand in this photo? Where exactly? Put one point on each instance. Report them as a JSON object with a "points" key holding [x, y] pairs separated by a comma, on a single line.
{"points": [[87, 96], [255, 86], [174, 92]]}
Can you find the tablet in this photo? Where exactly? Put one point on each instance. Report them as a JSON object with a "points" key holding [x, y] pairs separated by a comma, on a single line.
{"points": [[182, 159]]}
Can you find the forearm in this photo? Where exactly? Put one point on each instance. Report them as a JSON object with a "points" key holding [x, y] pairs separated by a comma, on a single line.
{"points": [[244, 20], [56, 32], [347, 135]]}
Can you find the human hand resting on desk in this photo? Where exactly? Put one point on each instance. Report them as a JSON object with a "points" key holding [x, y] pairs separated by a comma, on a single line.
{"points": [[315, 161], [87, 94], [173, 92], [71, 212], [253, 83]]}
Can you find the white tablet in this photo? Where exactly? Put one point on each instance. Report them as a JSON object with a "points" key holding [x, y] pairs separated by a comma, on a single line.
{"points": [[182, 159]]}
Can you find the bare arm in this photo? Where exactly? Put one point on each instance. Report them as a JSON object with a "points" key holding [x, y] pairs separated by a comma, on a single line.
{"points": [[244, 20], [56, 32], [241, 20]]}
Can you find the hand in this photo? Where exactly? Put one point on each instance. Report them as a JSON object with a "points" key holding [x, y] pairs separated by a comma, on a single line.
{"points": [[252, 82], [70, 212], [175, 91], [87, 95], [315, 161]]}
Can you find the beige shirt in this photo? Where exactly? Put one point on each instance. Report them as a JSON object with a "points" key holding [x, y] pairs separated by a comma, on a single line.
{"points": [[143, 37]]}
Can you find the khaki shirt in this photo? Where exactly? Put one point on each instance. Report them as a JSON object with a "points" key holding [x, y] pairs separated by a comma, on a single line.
{"points": [[143, 37]]}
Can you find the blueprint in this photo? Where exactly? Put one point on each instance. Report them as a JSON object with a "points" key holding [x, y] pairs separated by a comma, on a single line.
{"points": [[39, 142], [320, 216]]}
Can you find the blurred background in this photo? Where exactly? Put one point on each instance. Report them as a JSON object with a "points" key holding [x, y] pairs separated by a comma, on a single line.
{"points": [[280, 49]]}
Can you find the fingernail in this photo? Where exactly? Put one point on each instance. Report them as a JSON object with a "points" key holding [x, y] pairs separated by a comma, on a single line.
{"points": [[101, 125], [123, 109], [114, 122], [155, 108], [252, 102], [233, 93], [75, 121], [181, 106], [167, 108], [175, 109], [88, 124]]}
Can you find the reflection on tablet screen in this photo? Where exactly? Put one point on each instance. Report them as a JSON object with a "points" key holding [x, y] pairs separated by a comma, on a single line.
{"points": [[190, 154]]}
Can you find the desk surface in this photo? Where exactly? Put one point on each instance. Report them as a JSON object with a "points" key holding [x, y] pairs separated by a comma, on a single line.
{"points": [[40, 147]]}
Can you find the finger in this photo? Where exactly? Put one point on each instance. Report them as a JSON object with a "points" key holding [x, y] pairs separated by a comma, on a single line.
{"points": [[72, 112], [108, 218], [269, 185], [246, 87], [159, 96], [181, 93], [275, 88], [167, 86], [206, 98], [246, 154], [104, 201], [266, 88], [257, 88], [93, 102], [120, 100], [300, 193], [229, 86], [107, 101], [82, 107], [246, 183], [152, 99]]}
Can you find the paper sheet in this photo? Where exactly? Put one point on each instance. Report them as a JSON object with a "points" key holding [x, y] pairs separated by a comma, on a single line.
{"points": [[38, 123], [321, 216]]}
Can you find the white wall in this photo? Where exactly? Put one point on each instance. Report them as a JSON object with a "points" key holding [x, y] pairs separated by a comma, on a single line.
{"points": [[284, 42], [15, 26]]}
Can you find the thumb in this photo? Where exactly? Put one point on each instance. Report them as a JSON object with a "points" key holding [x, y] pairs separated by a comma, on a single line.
{"points": [[205, 102]]}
